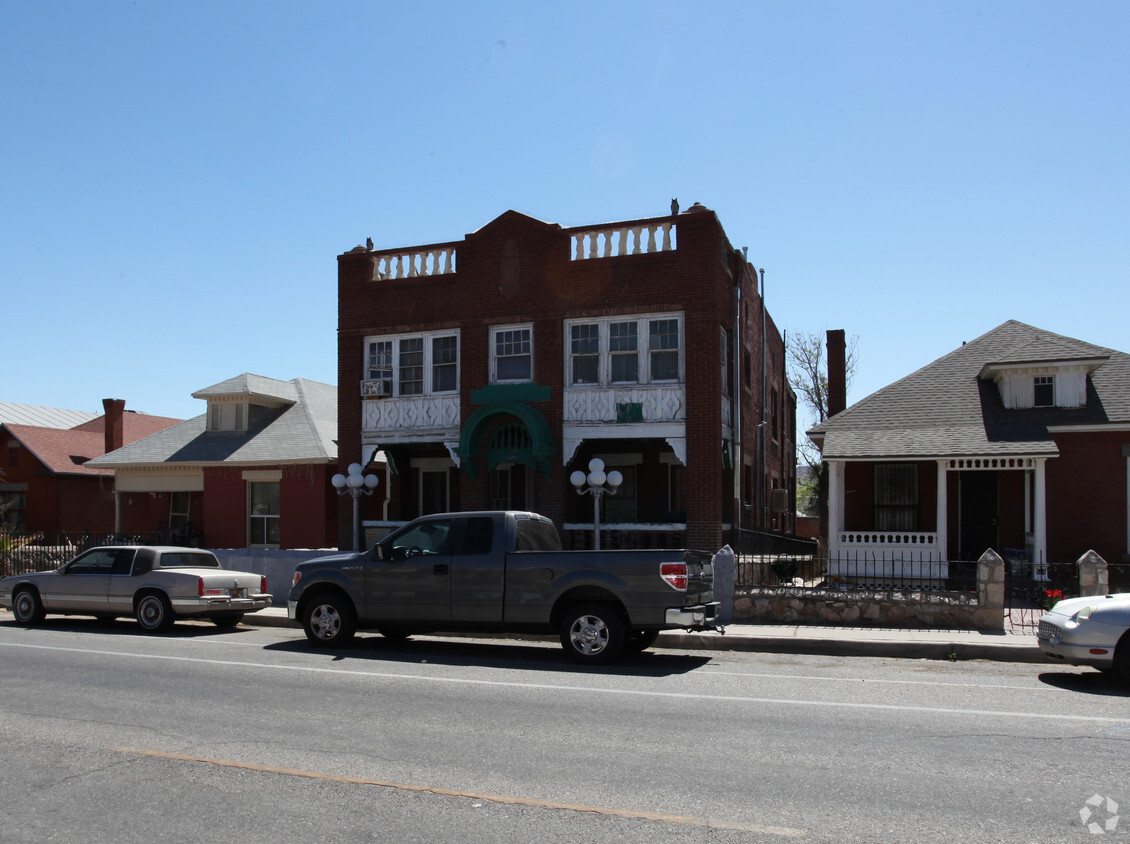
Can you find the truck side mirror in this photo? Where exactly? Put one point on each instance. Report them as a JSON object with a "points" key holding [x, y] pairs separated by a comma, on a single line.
{"points": [[378, 552]]}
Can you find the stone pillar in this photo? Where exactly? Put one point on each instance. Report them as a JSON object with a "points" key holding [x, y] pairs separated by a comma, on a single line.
{"points": [[990, 592], [724, 565], [1093, 578]]}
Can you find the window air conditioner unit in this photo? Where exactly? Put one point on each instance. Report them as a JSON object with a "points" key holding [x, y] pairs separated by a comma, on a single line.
{"points": [[375, 389], [780, 500]]}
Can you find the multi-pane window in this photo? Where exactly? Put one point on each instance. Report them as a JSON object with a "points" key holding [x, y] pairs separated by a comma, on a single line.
{"points": [[512, 353], [1043, 387], [413, 365], [609, 351], [178, 512], [13, 510], [263, 513], [445, 364], [896, 496], [663, 345], [584, 353], [623, 349]]}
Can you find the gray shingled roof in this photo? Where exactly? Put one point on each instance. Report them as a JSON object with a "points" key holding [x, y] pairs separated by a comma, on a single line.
{"points": [[303, 430], [43, 417], [946, 410]]}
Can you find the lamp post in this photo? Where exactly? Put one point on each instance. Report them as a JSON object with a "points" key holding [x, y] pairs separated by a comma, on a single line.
{"points": [[596, 483], [355, 484]]}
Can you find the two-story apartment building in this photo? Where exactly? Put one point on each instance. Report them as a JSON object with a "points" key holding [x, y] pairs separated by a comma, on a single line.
{"points": [[487, 370]]}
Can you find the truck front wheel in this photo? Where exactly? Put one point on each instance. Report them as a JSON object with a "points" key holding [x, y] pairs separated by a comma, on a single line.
{"points": [[592, 633], [329, 620]]}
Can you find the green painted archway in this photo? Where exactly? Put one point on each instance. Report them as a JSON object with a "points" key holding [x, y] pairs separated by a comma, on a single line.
{"points": [[542, 446]]}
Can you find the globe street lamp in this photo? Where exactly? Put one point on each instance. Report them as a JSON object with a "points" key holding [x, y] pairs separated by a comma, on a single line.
{"points": [[355, 484], [596, 483]]}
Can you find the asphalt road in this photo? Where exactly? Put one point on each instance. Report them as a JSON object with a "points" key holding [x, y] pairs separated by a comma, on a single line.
{"points": [[110, 735]]}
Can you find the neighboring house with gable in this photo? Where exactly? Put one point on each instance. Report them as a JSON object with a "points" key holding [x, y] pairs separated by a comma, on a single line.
{"points": [[47, 484], [1017, 441], [253, 471]]}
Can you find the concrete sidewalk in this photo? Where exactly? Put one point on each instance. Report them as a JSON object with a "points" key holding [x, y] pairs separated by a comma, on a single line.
{"points": [[1002, 646]]}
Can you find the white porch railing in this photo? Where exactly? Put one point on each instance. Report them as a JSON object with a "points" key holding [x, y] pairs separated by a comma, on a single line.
{"points": [[665, 403], [877, 554], [434, 260], [439, 413], [616, 241]]}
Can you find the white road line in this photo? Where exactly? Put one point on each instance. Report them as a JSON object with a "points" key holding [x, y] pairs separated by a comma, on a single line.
{"points": [[422, 678]]}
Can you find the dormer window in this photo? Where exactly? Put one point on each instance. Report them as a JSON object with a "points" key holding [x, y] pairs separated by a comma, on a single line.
{"points": [[227, 416], [1043, 391]]}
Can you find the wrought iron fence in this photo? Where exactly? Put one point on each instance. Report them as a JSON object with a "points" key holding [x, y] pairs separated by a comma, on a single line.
{"points": [[893, 578], [1118, 577], [21, 553], [1028, 594]]}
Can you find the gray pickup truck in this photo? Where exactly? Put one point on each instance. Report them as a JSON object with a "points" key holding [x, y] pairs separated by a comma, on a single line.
{"points": [[503, 571]]}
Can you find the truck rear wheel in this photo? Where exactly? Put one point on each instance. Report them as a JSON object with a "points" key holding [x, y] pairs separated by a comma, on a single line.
{"points": [[329, 620], [592, 634]]}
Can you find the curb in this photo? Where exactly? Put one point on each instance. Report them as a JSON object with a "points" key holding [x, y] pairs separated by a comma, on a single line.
{"points": [[800, 642]]}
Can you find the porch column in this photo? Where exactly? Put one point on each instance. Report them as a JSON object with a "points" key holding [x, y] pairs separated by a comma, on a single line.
{"points": [[942, 526], [835, 507], [1040, 526]]}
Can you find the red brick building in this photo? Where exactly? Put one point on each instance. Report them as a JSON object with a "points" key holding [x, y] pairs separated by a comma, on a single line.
{"points": [[252, 472], [46, 484], [488, 369]]}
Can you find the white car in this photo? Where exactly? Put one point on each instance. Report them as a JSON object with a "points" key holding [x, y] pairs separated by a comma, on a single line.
{"points": [[1092, 630], [154, 584]]}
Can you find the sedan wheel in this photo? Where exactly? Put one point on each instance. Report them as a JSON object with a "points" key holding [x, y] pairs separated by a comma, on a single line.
{"points": [[592, 633], [154, 613], [27, 608], [329, 621]]}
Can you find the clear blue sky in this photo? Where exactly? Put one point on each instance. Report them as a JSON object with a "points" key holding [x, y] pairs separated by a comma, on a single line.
{"points": [[179, 177]]}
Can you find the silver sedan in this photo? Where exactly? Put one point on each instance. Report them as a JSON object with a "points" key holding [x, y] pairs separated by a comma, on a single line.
{"points": [[154, 584], [1091, 631]]}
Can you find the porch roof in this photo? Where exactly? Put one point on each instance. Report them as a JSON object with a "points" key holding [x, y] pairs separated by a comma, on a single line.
{"points": [[946, 410]]}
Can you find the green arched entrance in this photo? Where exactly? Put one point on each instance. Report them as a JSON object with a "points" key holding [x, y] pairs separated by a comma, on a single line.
{"points": [[526, 439]]}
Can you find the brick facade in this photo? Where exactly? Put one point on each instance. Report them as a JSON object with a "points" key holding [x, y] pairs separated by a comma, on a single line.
{"points": [[517, 271]]}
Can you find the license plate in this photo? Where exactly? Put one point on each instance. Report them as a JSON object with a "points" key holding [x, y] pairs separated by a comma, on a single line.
{"points": [[240, 592]]}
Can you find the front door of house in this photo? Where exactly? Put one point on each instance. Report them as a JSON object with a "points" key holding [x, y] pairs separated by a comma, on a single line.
{"points": [[979, 513]]}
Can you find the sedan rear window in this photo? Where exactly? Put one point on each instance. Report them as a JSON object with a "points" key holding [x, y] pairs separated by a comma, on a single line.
{"points": [[189, 559]]}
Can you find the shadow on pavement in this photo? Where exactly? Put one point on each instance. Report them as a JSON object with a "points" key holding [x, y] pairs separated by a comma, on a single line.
{"points": [[526, 656], [1087, 681], [188, 628]]}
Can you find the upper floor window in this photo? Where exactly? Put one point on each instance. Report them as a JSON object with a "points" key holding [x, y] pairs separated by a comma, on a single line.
{"points": [[414, 365], [609, 351], [1043, 390], [227, 416], [512, 353]]}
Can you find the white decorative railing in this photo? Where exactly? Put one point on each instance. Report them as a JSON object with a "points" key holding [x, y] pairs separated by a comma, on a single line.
{"points": [[407, 414], [616, 241], [439, 260], [657, 404], [885, 545], [990, 463]]}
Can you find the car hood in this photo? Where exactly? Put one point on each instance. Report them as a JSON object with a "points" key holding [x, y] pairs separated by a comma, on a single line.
{"points": [[1106, 603]]}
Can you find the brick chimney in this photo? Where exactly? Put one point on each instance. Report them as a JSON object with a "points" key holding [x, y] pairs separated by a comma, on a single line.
{"points": [[837, 371], [114, 424]]}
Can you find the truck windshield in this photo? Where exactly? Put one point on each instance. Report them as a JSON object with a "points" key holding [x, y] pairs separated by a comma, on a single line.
{"points": [[536, 535]]}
